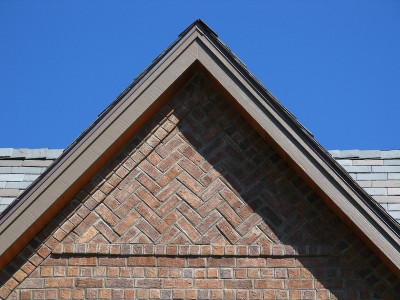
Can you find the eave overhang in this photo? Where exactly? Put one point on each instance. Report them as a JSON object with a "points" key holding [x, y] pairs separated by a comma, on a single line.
{"points": [[197, 48]]}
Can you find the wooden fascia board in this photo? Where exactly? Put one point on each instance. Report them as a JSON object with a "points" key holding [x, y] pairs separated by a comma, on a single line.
{"points": [[296, 150]]}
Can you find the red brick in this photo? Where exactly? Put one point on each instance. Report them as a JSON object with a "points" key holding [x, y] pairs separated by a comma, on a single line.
{"points": [[251, 262], [106, 231], [208, 206], [148, 198], [247, 225], [26, 294], [4, 292], [178, 283], [242, 295], [73, 271], [208, 283], [228, 231], [112, 261], [148, 261], [232, 199], [54, 261], [11, 283], [208, 221], [190, 231], [281, 262], [88, 282], [126, 222], [189, 197], [82, 261], [170, 160], [221, 262], [44, 251], [168, 191], [27, 267], [148, 230], [107, 214], [238, 284], [148, 283], [171, 262], [59, 282], [148, 183], [88, 235], [189, 213], [65, 294], [112, 272], [299, 283], [269, 283], [167, 221], [167, 206], [119, 283], [190, 182], [20, 275], [149, 169], [169, 147], [197, 262], [212, 189], [191, 168], [168, 176], [52, 294]]}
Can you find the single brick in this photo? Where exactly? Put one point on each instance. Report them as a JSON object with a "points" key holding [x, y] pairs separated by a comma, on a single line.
{"points": [[269, 283], [148, 283], [171, 262], [119, 283], [88, 282], [59, 282], [251, 262], [208, 283], [82, 261], [148, 261]]}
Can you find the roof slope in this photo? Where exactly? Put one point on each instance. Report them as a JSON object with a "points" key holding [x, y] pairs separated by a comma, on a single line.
{"points": [[198, 48], [377, 172], [19, 168]]}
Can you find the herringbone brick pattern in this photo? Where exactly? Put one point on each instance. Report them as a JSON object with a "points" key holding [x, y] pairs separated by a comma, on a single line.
{"points": [[195, 178], [197, 206]]}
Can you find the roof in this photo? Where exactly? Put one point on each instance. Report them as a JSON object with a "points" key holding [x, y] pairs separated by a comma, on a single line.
{"points": [[19, 168], [376, 171], [198, 49]]}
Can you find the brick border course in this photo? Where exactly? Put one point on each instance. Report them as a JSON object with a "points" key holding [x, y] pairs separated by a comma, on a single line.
{"points": [[201, 250]]}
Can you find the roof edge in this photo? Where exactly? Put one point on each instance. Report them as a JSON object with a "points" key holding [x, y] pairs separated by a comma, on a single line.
{"points": [[364, 154]]}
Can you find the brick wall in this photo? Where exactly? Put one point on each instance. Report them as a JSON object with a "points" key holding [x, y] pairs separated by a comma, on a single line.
{"points": [[197, 206]]}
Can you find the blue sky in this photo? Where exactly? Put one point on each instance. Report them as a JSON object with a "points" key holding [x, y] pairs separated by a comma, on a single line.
{"points": [[334, 64]]}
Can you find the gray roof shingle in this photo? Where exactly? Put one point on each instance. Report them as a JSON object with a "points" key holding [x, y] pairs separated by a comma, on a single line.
{"points": [[19, 168], [378, 172]]}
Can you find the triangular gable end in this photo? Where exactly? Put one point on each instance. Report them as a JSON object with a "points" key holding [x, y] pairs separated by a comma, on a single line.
{"points": [[197, 49]]}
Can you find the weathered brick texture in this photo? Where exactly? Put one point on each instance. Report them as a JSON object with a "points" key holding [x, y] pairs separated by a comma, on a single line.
{"points": [[197, 206]]}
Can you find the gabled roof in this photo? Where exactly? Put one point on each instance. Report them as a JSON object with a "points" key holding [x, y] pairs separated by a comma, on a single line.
{"points": [[198, 48]]}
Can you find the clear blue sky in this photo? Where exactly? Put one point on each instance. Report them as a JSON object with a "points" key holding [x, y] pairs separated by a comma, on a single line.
{"points": [[334, 64]]}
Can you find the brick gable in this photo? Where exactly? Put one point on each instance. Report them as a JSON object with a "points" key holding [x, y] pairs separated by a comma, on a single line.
{"points": [[197, 206]]}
